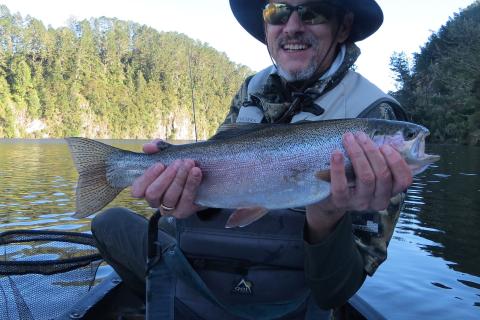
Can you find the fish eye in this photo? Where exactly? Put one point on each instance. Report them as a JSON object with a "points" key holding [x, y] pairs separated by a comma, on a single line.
{"points": [[410, 134]]}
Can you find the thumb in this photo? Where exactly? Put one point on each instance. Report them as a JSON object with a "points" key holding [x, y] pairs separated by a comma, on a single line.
{"points": [[152, 147]]}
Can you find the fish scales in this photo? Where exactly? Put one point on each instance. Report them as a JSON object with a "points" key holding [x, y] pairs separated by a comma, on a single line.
{"points": [[251, 166], [256, 166]]}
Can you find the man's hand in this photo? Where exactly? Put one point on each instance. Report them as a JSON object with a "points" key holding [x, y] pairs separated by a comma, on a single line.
{"points": [[380, 174], [172, 189]]}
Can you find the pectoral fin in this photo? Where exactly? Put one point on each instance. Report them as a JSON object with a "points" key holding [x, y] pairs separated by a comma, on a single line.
{"points": [[244, 216]]}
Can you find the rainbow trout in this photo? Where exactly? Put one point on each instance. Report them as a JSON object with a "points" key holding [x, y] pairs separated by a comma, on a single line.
{"points": [[249, 167]]}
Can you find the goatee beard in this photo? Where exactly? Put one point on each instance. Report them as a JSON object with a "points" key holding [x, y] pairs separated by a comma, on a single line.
{"points": [[300, 75]]}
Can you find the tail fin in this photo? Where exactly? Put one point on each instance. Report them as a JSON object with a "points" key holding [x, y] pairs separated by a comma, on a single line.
{"points": [[93, 190]]}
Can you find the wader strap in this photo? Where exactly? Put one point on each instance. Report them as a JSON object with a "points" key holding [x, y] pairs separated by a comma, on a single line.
{"points": [[152, 249], [160, 293], [179, 265], [160, 281]]}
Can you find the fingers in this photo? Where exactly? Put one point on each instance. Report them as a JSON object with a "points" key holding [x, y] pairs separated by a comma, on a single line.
{"points": [[380, 174], [401, 172], [175, 189], [365, 176], [151, 147], [141, 184], [383, 177], [340, 192], [157, 188], [185, 204]]}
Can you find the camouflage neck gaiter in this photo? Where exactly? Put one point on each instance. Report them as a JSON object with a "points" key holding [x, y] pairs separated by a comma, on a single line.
{"points": [[280, 101]]}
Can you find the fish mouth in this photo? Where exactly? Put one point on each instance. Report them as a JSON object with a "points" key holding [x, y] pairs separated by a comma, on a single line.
{"points": [[418, 160], [418, 148]]}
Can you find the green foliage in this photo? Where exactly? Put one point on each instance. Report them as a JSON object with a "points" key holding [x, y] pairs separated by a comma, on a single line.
{"points": [[442, 89], [7, 122], [107, 78]]}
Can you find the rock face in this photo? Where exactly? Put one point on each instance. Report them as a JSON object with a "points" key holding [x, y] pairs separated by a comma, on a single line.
{"points": [[175, 127], [34, 126]]}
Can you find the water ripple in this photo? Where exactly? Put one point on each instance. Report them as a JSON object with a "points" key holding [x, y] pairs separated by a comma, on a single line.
{"points": [[434, 251]]}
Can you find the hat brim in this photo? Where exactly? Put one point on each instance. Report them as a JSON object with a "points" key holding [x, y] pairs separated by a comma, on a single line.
{"points": [[368, 17]]}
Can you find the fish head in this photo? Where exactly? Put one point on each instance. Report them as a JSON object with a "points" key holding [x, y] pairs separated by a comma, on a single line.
{"points": [[408, 139]]}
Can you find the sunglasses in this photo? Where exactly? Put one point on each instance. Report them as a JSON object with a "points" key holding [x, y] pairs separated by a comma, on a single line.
{"points": [[310, 13]]}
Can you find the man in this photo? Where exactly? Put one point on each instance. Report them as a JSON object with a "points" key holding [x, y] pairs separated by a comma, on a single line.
{"points": [[291, 253]]}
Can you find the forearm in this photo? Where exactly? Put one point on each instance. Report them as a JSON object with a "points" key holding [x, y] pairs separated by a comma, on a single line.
{"points": [[334, 267]]}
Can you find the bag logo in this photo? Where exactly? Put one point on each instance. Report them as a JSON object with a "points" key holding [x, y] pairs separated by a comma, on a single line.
{"points": [[244, 287]]}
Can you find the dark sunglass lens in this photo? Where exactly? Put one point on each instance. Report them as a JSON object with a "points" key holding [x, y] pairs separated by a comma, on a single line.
{"points": [[276, 13], [316, 13]]}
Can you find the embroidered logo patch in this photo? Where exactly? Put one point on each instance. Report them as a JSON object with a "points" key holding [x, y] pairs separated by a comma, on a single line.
{"points": [[370, 227], [367, 226], [244, 287]]}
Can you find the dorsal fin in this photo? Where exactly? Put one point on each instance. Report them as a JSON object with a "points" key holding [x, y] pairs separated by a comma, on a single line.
{"points": [[230, 130]]}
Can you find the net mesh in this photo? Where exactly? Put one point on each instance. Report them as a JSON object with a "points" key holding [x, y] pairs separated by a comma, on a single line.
{"points": [[43, 273]]}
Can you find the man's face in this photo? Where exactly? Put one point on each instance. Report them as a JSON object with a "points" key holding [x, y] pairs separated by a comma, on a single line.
{"points": [[300, 50]]}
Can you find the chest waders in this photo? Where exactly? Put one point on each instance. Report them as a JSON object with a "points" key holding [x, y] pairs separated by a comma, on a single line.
{"points": [[169, 269], [167, 266]]}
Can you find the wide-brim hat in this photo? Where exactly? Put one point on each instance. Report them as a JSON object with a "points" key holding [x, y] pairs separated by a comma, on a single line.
{"points": [[368, 16]]}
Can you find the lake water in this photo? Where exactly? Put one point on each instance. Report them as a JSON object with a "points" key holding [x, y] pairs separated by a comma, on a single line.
{"points": [[433, 268]]}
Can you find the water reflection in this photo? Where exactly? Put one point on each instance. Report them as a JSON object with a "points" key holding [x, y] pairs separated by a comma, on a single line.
{"points": [[451, 217], [436, 245], [37, 186], [435, 251]]}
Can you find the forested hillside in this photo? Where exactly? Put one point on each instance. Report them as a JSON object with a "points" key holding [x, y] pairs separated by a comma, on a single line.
{"points": [[107, 78], [441, 88]]}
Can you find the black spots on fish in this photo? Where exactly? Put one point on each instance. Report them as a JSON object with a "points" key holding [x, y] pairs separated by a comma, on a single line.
{"points": [[294, 175], [93, 191]]}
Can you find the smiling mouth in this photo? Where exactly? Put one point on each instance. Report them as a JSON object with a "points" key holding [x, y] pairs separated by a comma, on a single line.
{"points": [[295, 47]]}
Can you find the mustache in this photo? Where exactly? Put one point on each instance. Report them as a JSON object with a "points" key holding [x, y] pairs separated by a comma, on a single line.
{"points": [[305, 39]]}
